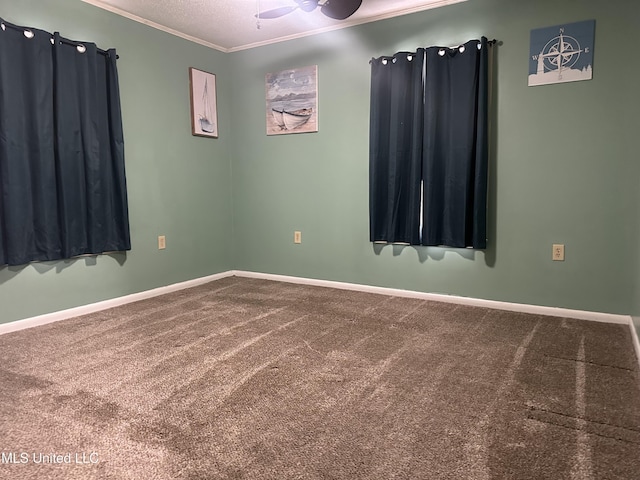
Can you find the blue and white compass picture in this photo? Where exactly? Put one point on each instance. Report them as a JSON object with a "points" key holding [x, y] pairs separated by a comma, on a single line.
{"points": [[563, 53]]}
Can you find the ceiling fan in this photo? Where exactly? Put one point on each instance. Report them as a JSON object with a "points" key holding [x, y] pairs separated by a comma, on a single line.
{"points": [[336, 9]]}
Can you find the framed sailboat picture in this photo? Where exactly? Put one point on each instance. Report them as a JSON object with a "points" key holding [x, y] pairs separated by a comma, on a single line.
{"points": [[292, 101], [204, 109]]}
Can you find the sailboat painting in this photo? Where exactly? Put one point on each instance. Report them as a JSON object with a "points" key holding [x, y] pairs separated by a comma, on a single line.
{"points": [[204, 111], [292, 101]]}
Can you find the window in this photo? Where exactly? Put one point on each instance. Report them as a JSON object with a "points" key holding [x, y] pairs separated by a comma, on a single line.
{"points": [[62, 176], [428, 152]]}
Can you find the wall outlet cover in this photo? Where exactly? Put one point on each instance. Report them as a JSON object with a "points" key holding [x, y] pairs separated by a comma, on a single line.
{"points": [[558, 252]]}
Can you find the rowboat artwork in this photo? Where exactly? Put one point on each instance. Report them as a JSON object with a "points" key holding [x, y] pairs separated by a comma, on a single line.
{"points": [[290, 120], [292, 101], [278, 116]]}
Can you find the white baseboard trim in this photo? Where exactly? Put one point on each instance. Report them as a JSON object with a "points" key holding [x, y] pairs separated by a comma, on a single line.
{"points": [[437, 297], [474, 302], [635, 339], [103, 305], [477, 302]]}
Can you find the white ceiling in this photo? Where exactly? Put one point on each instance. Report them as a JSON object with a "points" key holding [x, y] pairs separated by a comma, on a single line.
{"points": [[231, 25]]}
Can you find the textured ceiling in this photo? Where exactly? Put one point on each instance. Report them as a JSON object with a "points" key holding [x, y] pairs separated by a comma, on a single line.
{"points": [[231, 25]]}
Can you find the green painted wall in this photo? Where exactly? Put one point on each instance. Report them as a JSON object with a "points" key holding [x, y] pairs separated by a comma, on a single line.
{"points": [[179, 185], [563, 168]]}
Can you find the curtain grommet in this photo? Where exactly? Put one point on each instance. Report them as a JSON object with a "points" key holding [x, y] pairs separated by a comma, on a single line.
{"points": [[81, 48], [28, 34]]}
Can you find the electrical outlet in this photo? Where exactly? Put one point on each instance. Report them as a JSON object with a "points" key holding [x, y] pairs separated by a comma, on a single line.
{"points": [[297, 237], [162, 242], [558, 253]]}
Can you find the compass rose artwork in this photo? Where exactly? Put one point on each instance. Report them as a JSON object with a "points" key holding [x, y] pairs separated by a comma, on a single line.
{"points": [[563, 53]]}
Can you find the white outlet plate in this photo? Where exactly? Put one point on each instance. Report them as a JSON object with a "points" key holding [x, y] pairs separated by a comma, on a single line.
{"points": [[162, 242], [558, 252], [297, 237]]}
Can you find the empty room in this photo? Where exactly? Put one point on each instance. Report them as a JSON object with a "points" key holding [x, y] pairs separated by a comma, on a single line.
{"points": [[334, 239]]}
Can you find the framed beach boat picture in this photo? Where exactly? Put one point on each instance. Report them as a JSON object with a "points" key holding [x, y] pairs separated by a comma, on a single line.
{"points": [[204, 109], [292, 101]]}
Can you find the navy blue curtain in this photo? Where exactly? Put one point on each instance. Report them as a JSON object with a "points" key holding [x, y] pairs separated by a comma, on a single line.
{"points": [[395, 147], [452, 136], [455, 155], [62, 176]]}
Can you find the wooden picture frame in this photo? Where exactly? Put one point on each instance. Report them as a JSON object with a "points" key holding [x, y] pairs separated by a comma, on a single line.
{"points": [[204, 108]]}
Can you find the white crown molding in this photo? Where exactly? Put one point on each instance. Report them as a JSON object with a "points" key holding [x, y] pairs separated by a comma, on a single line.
{"points": [[157, 26]]}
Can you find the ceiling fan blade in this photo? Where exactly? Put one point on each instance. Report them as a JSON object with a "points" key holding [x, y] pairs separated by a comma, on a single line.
{"points": [[340, 9], [276, 12]]}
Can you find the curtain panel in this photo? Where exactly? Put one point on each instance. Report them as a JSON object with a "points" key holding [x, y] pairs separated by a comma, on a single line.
{"points": [[395, 147], [62, 175], [444, 158]]}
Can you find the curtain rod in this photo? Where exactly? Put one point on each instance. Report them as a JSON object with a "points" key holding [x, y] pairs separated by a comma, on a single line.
{"points": [[66, 41], [489, 42]]}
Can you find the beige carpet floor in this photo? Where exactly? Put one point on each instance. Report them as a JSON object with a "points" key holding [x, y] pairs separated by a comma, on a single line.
{"points": [[253, 379]]}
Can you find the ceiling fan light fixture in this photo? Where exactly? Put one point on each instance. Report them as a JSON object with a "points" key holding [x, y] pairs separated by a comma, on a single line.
{"points": [[307, 5]]}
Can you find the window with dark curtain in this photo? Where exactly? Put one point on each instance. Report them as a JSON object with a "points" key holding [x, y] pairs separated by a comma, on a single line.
{"points": [[62, 174], [428, 146], [395, 148]]}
